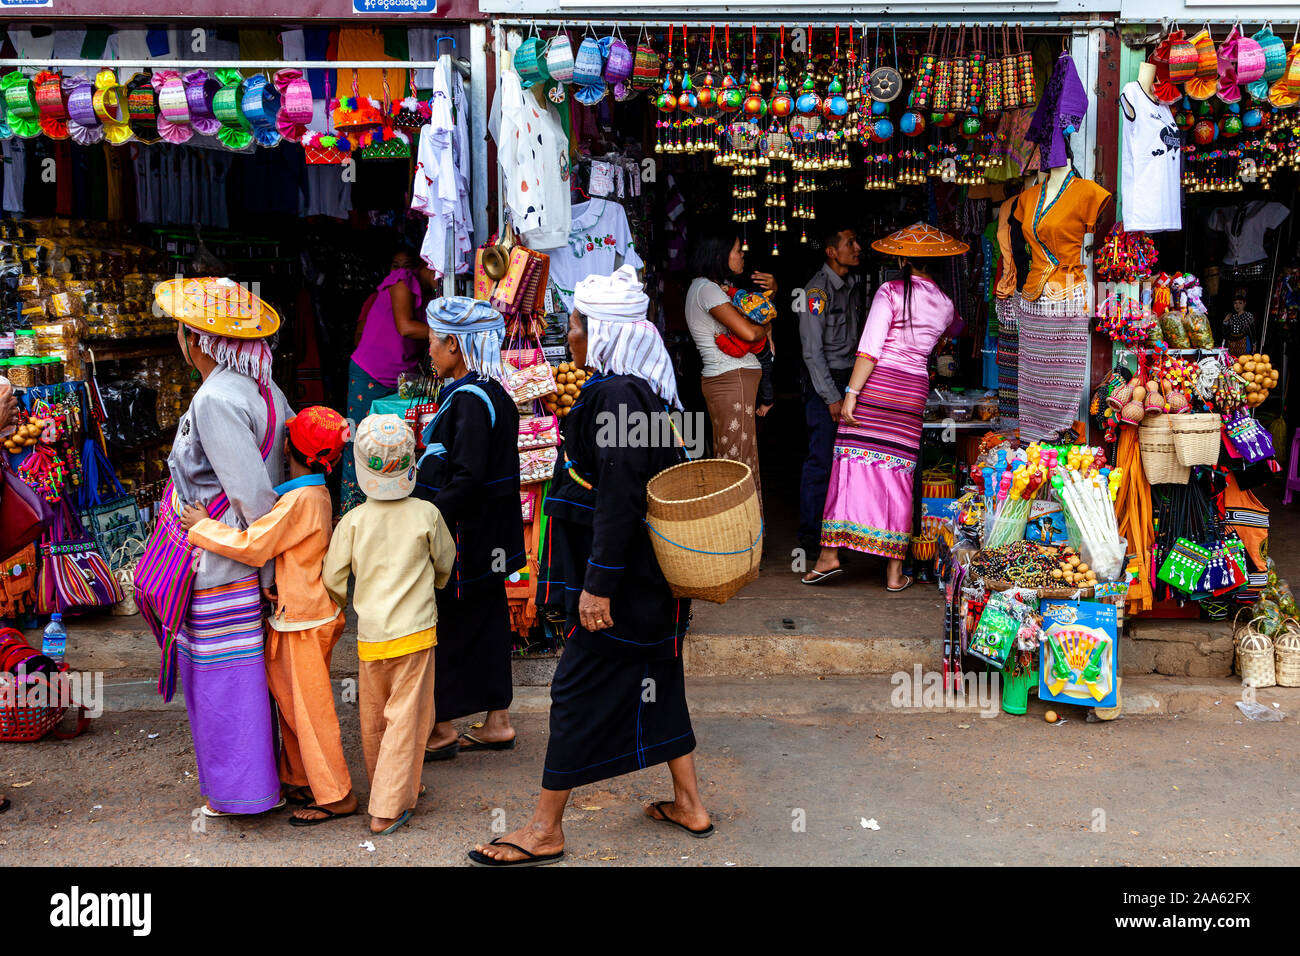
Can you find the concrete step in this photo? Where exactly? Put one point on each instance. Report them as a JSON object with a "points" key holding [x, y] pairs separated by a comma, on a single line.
{"points": [[800, 696]]}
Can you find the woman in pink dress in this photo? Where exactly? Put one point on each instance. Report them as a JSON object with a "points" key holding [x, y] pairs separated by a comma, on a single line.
{"points": [[869, 502]]}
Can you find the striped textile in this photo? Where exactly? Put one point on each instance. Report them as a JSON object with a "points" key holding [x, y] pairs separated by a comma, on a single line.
{"points": [[869, 500], [1053, 362], [223, 676], [1008, 362]]}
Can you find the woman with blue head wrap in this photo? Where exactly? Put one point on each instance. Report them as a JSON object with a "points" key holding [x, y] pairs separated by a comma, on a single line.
{"points": [[470, 470]]}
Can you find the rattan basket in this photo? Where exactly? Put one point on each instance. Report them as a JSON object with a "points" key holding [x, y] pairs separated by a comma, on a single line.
{"points": [[1286, 652], [1255, 661], [1196, 438], [1159, 457], [706, 527]]}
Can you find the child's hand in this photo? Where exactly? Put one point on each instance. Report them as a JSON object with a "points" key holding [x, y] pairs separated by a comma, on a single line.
{"points": [[192, 515], [765, 281]]}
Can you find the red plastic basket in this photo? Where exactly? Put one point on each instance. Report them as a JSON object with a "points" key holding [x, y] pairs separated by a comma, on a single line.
{"points": [[27, 723]]}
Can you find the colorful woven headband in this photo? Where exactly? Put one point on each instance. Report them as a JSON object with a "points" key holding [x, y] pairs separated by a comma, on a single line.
{"points": [[110, 104], [141, 107], [1285, 93], [234, 132], [84, 127], [173, 107], [261, 106], [529, 64], [200, 89], [20, 103], [1274, 50], [559, 58], [1182, 58], [1228, 86], [587, 72], [47, 87], [295, 104], [618, 60]]}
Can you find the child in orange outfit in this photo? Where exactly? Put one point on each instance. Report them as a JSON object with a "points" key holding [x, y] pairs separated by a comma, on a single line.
{"points": [[306, 623]]}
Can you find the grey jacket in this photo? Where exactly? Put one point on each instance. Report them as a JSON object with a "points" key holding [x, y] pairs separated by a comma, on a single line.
{"points": [[829, 328], [218, 448]]}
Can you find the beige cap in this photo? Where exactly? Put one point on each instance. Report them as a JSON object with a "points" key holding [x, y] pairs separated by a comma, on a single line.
{"points": [[385, 453]]}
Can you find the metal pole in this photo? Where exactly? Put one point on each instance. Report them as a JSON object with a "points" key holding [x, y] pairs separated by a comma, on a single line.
{"points": [[478, 123]]}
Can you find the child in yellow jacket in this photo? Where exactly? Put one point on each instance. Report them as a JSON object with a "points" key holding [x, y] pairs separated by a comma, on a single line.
{"points": [[400, 550], [306, 623]]}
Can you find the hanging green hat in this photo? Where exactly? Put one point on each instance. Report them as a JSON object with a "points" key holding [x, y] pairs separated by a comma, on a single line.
{"points": [[235, 131], [20, 104]]}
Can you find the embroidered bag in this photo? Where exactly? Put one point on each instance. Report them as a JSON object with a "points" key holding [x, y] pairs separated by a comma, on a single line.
{"points": [[18, 583], [1185, 567], [528, 375], [164, 575], [113, 519], [73, 574], [1251, 441]]}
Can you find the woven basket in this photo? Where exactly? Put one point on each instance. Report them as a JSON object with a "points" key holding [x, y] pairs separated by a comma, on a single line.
{"points": [[1286, 651], [706, 527], [1159, 457], [1196, 438], [1255, 657]]}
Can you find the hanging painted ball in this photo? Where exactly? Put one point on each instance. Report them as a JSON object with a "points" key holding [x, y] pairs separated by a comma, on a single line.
{"points": [[836, 106], [754, 105], [912, 123], [1205, 132], [943, 119], [666, 102], [971, 126], [705, 95], [882, 129], [1184, 120], [878, 108], [1231, 125], [687, 101], [807, 103], [1252, 118], [782, 105]]}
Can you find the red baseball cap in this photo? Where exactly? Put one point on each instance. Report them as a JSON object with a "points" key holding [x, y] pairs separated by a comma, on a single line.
{"points": [[319, 434]]}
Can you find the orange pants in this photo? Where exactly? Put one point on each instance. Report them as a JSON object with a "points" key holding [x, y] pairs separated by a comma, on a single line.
{"points": [[298, 672]]}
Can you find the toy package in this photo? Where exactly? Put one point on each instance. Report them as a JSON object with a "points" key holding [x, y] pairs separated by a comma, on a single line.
{"points": [[1000, 622], [1079, 659]]}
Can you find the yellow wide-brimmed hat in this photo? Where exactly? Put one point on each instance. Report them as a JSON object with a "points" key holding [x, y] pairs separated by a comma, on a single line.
{"points": [[220, 306], [920, 240]]}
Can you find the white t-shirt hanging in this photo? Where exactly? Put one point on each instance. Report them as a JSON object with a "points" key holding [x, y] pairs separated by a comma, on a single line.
{"points": [[534, 156], [1151, 189], [1245, 226], [598, 238]]}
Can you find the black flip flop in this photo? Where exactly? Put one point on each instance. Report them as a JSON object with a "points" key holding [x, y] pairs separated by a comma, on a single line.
{"points": [[910, 581], [665, 818], [476, 744], [445, 752], [530, 859], [5, 804], [329, 815]]}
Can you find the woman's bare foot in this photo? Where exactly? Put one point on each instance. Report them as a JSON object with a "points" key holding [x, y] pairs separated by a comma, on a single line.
{"points": [[693, 817], [342, 808], [495, 729], [444, 734], [828, 560], [535, 838]]}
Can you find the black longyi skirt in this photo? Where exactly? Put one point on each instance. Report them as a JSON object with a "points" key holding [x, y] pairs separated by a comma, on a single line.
{"points": [[472, 658], [611, 716]]}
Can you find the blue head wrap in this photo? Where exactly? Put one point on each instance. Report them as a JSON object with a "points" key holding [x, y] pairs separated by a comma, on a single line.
{"points": [[477, 326]]}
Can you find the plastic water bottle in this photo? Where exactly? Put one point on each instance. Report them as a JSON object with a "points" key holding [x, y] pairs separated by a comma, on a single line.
{"points": [[55, 642]]}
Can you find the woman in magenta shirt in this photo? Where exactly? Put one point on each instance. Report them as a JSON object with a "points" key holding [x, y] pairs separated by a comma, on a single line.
{"points": [[394, 337]]}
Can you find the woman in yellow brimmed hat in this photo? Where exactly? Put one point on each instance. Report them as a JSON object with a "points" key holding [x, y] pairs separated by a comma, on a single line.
{"points": [[228, 456], [869, 499]]}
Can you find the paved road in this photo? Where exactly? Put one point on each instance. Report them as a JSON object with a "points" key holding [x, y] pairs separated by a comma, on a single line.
{"points": [[951, 788]]}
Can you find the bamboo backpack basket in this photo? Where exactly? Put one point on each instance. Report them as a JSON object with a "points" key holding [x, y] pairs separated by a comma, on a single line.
{"points": [[1255, 662], [1197, 437], [1159, 457], [706, 527], [1287, 656]]}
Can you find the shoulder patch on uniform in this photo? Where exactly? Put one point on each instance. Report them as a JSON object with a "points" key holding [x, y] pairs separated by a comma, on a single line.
{"points": [[817, 299]]}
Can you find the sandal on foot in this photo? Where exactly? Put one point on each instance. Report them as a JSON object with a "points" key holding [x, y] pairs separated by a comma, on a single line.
{"points": [[665, 818], [909, 581], [530, 859], [818, 577], [476, 744], [445, 752], [396, 824], [329, 815]]}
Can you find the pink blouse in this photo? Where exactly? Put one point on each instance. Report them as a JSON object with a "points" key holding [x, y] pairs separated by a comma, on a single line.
{"points": [[900, 343]]}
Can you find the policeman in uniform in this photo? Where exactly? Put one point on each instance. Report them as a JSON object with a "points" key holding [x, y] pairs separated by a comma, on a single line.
{"points": [[829, 328]]}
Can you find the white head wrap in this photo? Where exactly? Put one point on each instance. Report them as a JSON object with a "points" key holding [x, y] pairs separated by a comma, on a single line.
{"points": [[620, 340]]}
